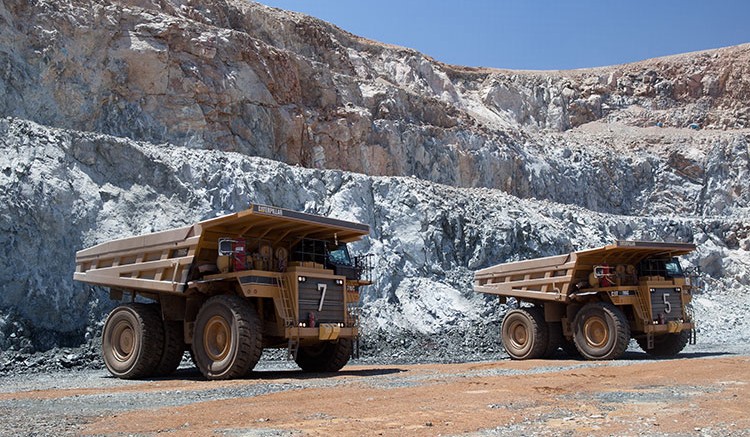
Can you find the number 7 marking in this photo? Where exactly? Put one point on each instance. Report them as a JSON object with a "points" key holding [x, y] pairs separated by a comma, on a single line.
{"points": [[322, 288]]}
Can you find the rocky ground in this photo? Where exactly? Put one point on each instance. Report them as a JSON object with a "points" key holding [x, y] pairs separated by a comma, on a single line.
{"points": [[703, 393], [234, 75], [128, 117]]}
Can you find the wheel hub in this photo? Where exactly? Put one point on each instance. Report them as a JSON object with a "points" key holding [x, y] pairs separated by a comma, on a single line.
{"points": [[596, 332], [123, 341], [519, 335], [217, 338]]}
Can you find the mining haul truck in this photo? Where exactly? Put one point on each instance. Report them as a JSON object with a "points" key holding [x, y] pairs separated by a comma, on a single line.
{"points": [[228, 287], [592, 302]]}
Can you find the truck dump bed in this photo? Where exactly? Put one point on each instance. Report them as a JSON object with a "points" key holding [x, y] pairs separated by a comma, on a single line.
{"points": [[552, 278], [161, 262]]}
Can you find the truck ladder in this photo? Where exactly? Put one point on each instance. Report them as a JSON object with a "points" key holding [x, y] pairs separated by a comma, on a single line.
{"points": [[691, 316], [288, 303], [645, 311]]}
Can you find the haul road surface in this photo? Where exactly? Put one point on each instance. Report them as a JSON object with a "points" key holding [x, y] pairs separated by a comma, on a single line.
{"points": [[705, 391]]}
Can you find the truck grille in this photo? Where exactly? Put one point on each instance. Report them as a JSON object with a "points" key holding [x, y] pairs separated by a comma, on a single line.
{"points": [[310, 293], [666, 304]]}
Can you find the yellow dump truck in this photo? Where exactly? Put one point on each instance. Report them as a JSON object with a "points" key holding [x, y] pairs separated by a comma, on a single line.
{"points": [[592, 302], [228, 287]]}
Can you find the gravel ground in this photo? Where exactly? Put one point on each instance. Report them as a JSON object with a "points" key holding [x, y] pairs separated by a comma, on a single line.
{"points": [[69, 401]]}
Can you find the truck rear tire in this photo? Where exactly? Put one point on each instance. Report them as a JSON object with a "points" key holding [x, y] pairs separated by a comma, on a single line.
{"points": [[327, 356], [174, 348], [524, 333], [667, 345], [227, 340], [601, 331], [132, 341]]}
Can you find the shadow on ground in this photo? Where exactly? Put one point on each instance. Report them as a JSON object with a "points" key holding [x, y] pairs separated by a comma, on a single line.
{"points": [[192, 373], [636, 355]]}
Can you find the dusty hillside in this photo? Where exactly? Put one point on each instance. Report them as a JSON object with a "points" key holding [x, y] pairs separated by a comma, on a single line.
{"points": [[124, 117]]}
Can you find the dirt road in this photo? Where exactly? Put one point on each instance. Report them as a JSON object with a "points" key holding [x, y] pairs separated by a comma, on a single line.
{"points": [[698, 394]]}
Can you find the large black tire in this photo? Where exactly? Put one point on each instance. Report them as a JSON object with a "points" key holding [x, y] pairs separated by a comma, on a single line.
{"points": [[192, 356], [227, 340], [667, 345], [132, 341], [524, 333], [174, 348], [554, 339], [601, 331], [327, 356], [569, 347]]}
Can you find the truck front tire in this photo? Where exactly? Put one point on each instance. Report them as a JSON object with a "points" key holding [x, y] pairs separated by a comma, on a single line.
{"points": [[227, 340], [601, 331], [328, 356], [525, 334], [667, 345], [569, 347], [132, 341]]}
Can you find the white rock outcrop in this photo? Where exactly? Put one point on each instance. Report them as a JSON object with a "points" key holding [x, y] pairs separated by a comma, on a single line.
{"points": [[128, 116], [64, 190]]}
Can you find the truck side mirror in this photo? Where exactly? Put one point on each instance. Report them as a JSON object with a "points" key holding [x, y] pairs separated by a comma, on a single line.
{"points": [[226, 246]]}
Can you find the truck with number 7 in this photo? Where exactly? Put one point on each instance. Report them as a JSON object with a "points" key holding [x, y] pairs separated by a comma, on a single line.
{"points": [[592, 302], [227, 288]]}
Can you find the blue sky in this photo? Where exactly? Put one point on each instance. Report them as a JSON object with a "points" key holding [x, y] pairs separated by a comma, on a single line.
{"points": [[539, 35]]}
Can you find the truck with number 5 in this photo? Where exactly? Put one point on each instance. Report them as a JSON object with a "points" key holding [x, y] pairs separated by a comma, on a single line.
{"points": [[227, 288], [592, 302]]}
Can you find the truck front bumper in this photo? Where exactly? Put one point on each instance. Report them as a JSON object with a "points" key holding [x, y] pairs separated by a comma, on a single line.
{"points": [[670, 327], [325, 331]]}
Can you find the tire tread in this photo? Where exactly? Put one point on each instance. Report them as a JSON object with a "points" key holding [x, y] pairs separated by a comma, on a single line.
{"points": [[538, 331], [249, 342], [151, 341], [554, 340], [174, 348], [331, 358], [621, 328], [665, 346]]}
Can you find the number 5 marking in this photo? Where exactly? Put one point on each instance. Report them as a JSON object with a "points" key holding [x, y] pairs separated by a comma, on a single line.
{"points": [[664, 297], [322, 289]]}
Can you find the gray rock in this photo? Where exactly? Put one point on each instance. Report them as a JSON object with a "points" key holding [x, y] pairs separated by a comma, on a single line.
{"points": [[232, 75], [72, 189], [131, 117]]}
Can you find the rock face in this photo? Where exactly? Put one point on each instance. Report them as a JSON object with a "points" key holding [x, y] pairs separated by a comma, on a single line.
{"points": [[65, 190], [125, 117], [232, 75]]}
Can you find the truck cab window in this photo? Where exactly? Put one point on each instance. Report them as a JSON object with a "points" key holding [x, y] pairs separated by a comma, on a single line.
{"points": [[340, 256], [673, 269], [310, 250]]}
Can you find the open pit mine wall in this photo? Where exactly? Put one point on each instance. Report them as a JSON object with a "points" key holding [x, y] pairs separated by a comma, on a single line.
{"points": [[64, 190], [233, 75], [124, 117]]}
